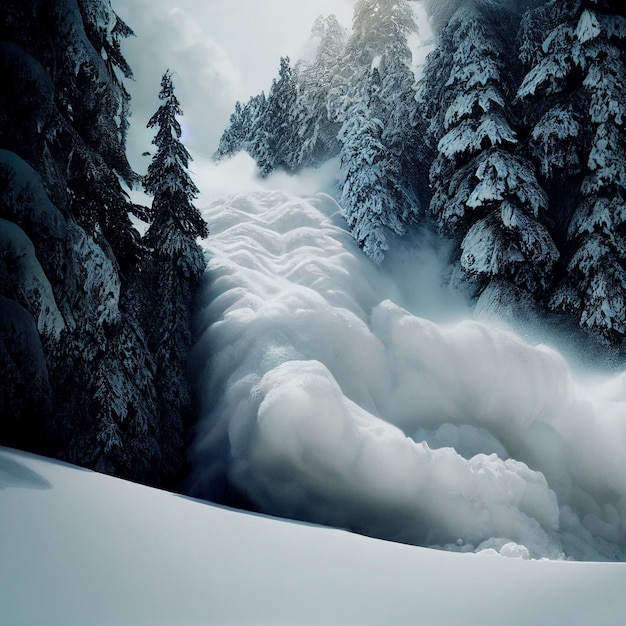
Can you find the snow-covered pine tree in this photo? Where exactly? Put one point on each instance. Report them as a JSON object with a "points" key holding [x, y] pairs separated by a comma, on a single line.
{"points": [[267, 128], [291, 127], [173, 273], [378, 136], [371, 197], [552, 105], [312, 118], [276, 142], [167, 179], [69, 330], [95, 90], [379, 41], [575, 96], [127, 440], [485, 196], [310, 112], [239, 134]]}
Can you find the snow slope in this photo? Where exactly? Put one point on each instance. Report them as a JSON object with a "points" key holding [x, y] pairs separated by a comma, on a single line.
{"points": [[79, 549], [323, 399]]}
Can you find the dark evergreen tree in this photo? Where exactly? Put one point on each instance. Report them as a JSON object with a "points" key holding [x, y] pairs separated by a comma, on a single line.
{"points": [[370, 194], [173, 273], [276, 142], [311, 114], [267, 127], [379, 137], [575, 100], [168, 178], [240, 132], [62, 122], [485, 196], [83, 377]]}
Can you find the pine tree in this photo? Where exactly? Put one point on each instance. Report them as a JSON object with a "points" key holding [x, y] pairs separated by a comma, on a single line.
{"points": [[379, 41], [575, 99], [173, 274], [63, 122], [168, 179], [316, 127], [94, 73], [371, 197], [239, 135], [378, 137], [485, 195], [276, 143], [267, 128]]}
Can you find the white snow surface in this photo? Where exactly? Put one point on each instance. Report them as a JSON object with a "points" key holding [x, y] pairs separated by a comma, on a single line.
{"points": [[326, 396], [84, 549]]}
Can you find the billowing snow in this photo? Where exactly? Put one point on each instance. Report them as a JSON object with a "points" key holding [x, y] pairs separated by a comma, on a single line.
{"points": [[318, 392], [84, 549]]}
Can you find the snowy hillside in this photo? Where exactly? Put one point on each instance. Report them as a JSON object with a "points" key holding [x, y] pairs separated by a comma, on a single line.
{"points": [[84, 549], [324, 400]]}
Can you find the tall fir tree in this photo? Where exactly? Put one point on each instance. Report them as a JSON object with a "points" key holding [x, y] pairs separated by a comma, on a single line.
{"points": [[239, 134], [379, 137], [277, 142], [575, 99], [485, 195], [173, 273], [312, 116], [71, 328], [371, 196]]}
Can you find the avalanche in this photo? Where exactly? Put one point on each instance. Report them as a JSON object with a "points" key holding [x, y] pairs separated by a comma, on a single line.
{"points": [[326, 397]]}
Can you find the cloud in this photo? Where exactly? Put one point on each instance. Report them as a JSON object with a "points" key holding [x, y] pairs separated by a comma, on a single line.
{"points": [[205, 77]]}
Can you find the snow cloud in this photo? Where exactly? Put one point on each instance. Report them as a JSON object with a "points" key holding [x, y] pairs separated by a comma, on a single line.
{"points": [[327, 396]]}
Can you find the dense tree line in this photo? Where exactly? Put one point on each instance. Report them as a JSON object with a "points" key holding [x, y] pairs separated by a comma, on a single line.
{"points": [[512, 143], [94, 320]]}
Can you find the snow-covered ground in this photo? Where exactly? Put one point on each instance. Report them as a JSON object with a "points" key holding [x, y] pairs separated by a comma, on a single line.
{"points": [[327, 396], [80, 549]]}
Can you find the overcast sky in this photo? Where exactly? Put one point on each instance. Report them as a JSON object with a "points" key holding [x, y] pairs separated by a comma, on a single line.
{"points": [[219, 50]]}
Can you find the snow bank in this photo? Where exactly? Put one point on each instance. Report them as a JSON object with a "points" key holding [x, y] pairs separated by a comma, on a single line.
{"points": [[324, 400], [84, 549]]}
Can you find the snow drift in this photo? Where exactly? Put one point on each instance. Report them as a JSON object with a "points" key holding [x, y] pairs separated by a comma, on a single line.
{"points": [[84, 549], [323, 399]]}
